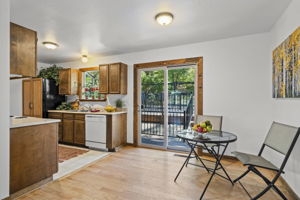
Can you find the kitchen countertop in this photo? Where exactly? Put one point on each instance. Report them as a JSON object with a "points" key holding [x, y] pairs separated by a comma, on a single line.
{"points": [[88, 113], [30, 121]]}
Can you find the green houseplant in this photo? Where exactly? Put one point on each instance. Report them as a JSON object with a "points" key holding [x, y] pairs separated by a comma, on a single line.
{"points": [[119, 103], [51, 72]]}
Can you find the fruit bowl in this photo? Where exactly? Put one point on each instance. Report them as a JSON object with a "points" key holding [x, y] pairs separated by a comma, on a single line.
{"points": [[110, 109], [203, 127]]}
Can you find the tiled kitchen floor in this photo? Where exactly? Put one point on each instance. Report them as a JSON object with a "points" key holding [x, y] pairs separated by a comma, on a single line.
{"points": [[78, 162]]}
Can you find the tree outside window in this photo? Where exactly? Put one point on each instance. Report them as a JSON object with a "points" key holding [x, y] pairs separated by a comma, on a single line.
{"points": [[90, 85]]}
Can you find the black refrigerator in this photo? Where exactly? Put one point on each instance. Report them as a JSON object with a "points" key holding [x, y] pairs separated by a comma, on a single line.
{"points": [[51, 98]]}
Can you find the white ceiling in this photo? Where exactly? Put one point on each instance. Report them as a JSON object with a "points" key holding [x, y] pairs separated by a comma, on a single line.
{"points": [[108, 27]]}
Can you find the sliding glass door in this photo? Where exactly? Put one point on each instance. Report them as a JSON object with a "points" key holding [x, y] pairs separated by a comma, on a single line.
{"points": [[166, 105]]}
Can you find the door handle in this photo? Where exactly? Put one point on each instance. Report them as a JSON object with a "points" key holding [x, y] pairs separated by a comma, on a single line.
{"points": [[31, 105]]}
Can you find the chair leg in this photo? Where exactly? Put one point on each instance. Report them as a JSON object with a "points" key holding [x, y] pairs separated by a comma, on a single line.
{"points": [[279, 192], [262, 193], [241, 176]]}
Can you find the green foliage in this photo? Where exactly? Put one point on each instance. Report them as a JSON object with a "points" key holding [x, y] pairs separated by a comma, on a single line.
{"points": [[50, 73], [64, 106], [119, 103], [152, 81]]}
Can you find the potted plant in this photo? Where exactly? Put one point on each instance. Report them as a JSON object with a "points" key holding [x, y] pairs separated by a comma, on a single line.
{"points": [[51, 73], [119, 104]]}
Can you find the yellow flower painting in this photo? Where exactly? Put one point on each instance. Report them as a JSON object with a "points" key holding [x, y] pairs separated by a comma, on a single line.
{"points": [[286, 67]]}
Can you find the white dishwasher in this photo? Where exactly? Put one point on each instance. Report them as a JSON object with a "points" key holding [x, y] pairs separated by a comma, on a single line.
{"points": [[95, 131]]}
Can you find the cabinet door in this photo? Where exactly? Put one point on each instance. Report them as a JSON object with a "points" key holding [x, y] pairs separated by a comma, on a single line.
{"points": [[68, 130], [79, 132], [114, 78], [23, 44], [74, 82], [27, 104], [60, 128], [103, 76], [123, 82], [64, 81], [37, 97]]}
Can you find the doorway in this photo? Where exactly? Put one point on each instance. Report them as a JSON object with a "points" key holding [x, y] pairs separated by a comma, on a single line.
{"points": [[165, 101]]}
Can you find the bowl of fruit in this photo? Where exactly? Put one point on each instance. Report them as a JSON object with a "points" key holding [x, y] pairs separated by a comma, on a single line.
{"points": [[203, 127]]}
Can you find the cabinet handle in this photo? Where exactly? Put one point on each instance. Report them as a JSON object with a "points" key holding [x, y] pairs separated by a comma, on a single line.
{"points": [[30, 105]]}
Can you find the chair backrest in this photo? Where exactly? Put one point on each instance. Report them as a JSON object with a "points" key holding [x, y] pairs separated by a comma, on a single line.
{"points": [[216, 121], [282, 137]]}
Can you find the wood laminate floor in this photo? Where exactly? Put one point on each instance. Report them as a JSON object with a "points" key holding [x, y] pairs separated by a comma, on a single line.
{"points": [[142, 174]]}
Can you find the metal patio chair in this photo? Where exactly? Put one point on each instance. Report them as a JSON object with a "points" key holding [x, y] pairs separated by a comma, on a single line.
{"points": [[281, 138], [216, 122]]}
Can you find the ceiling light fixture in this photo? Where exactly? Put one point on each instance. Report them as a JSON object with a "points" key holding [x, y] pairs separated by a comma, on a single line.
{"points": [[84, 59], [164, 18], [50, 45]]}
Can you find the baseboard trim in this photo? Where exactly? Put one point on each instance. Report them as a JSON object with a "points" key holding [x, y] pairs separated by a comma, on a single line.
{"points": [[29, 188]]}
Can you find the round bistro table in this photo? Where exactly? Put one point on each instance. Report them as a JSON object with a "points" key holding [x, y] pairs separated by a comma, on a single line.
{"points": [[215, 143]]}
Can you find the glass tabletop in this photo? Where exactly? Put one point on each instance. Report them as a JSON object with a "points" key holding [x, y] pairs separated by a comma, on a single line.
{"points": [[211, 137]]}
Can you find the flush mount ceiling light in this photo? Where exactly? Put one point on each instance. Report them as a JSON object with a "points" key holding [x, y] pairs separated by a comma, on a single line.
{"points": [[164, 18], [84, 59], [50, 45]]}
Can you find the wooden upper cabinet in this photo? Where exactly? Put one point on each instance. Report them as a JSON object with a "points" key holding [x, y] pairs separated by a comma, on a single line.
{"points": [[23, 51], [33, 97], [117, 74], [68, 81], [103, 76]]}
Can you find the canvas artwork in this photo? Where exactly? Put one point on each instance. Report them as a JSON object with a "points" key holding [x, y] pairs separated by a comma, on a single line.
{"points": [[286, 67]]}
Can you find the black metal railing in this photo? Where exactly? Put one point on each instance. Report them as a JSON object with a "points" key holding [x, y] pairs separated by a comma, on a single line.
{"points": [[180, 109]]}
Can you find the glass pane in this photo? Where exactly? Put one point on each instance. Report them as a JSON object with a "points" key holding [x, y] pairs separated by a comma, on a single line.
{"points": [[152, 109], [90, 85], [181, 104]]}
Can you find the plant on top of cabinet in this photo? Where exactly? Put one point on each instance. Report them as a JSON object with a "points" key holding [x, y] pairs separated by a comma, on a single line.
{"points": [[23, 51], [68, 81], [51, 72]]}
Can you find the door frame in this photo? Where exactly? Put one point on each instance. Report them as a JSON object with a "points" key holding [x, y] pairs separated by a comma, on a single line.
{"points": [[199, 84]]}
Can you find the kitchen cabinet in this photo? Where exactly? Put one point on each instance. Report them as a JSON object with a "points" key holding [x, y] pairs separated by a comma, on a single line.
{"points": [[68, 130], [103, 79], [117, 78], [74, 126], [33, 97], [23, 51], [68, 81], [71, 129], [33, 156], [60, 127], [79, 132]]}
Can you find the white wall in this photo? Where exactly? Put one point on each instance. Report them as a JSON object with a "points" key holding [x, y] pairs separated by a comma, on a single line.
{"points": [[287, 110], [237, 82], [4, 100]]}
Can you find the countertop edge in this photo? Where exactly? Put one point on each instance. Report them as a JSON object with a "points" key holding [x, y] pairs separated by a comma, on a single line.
{"points": [[87, 113], [49, 121]]}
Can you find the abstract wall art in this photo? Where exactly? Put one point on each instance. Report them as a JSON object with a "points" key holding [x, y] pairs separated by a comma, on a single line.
{"points": [[286, 67]]}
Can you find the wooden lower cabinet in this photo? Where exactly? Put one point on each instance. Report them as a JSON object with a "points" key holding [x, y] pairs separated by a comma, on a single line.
{"points": [[68, 131], [116, 131], [72, 129], [33, 155], [60, 127], [79, 132]]}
